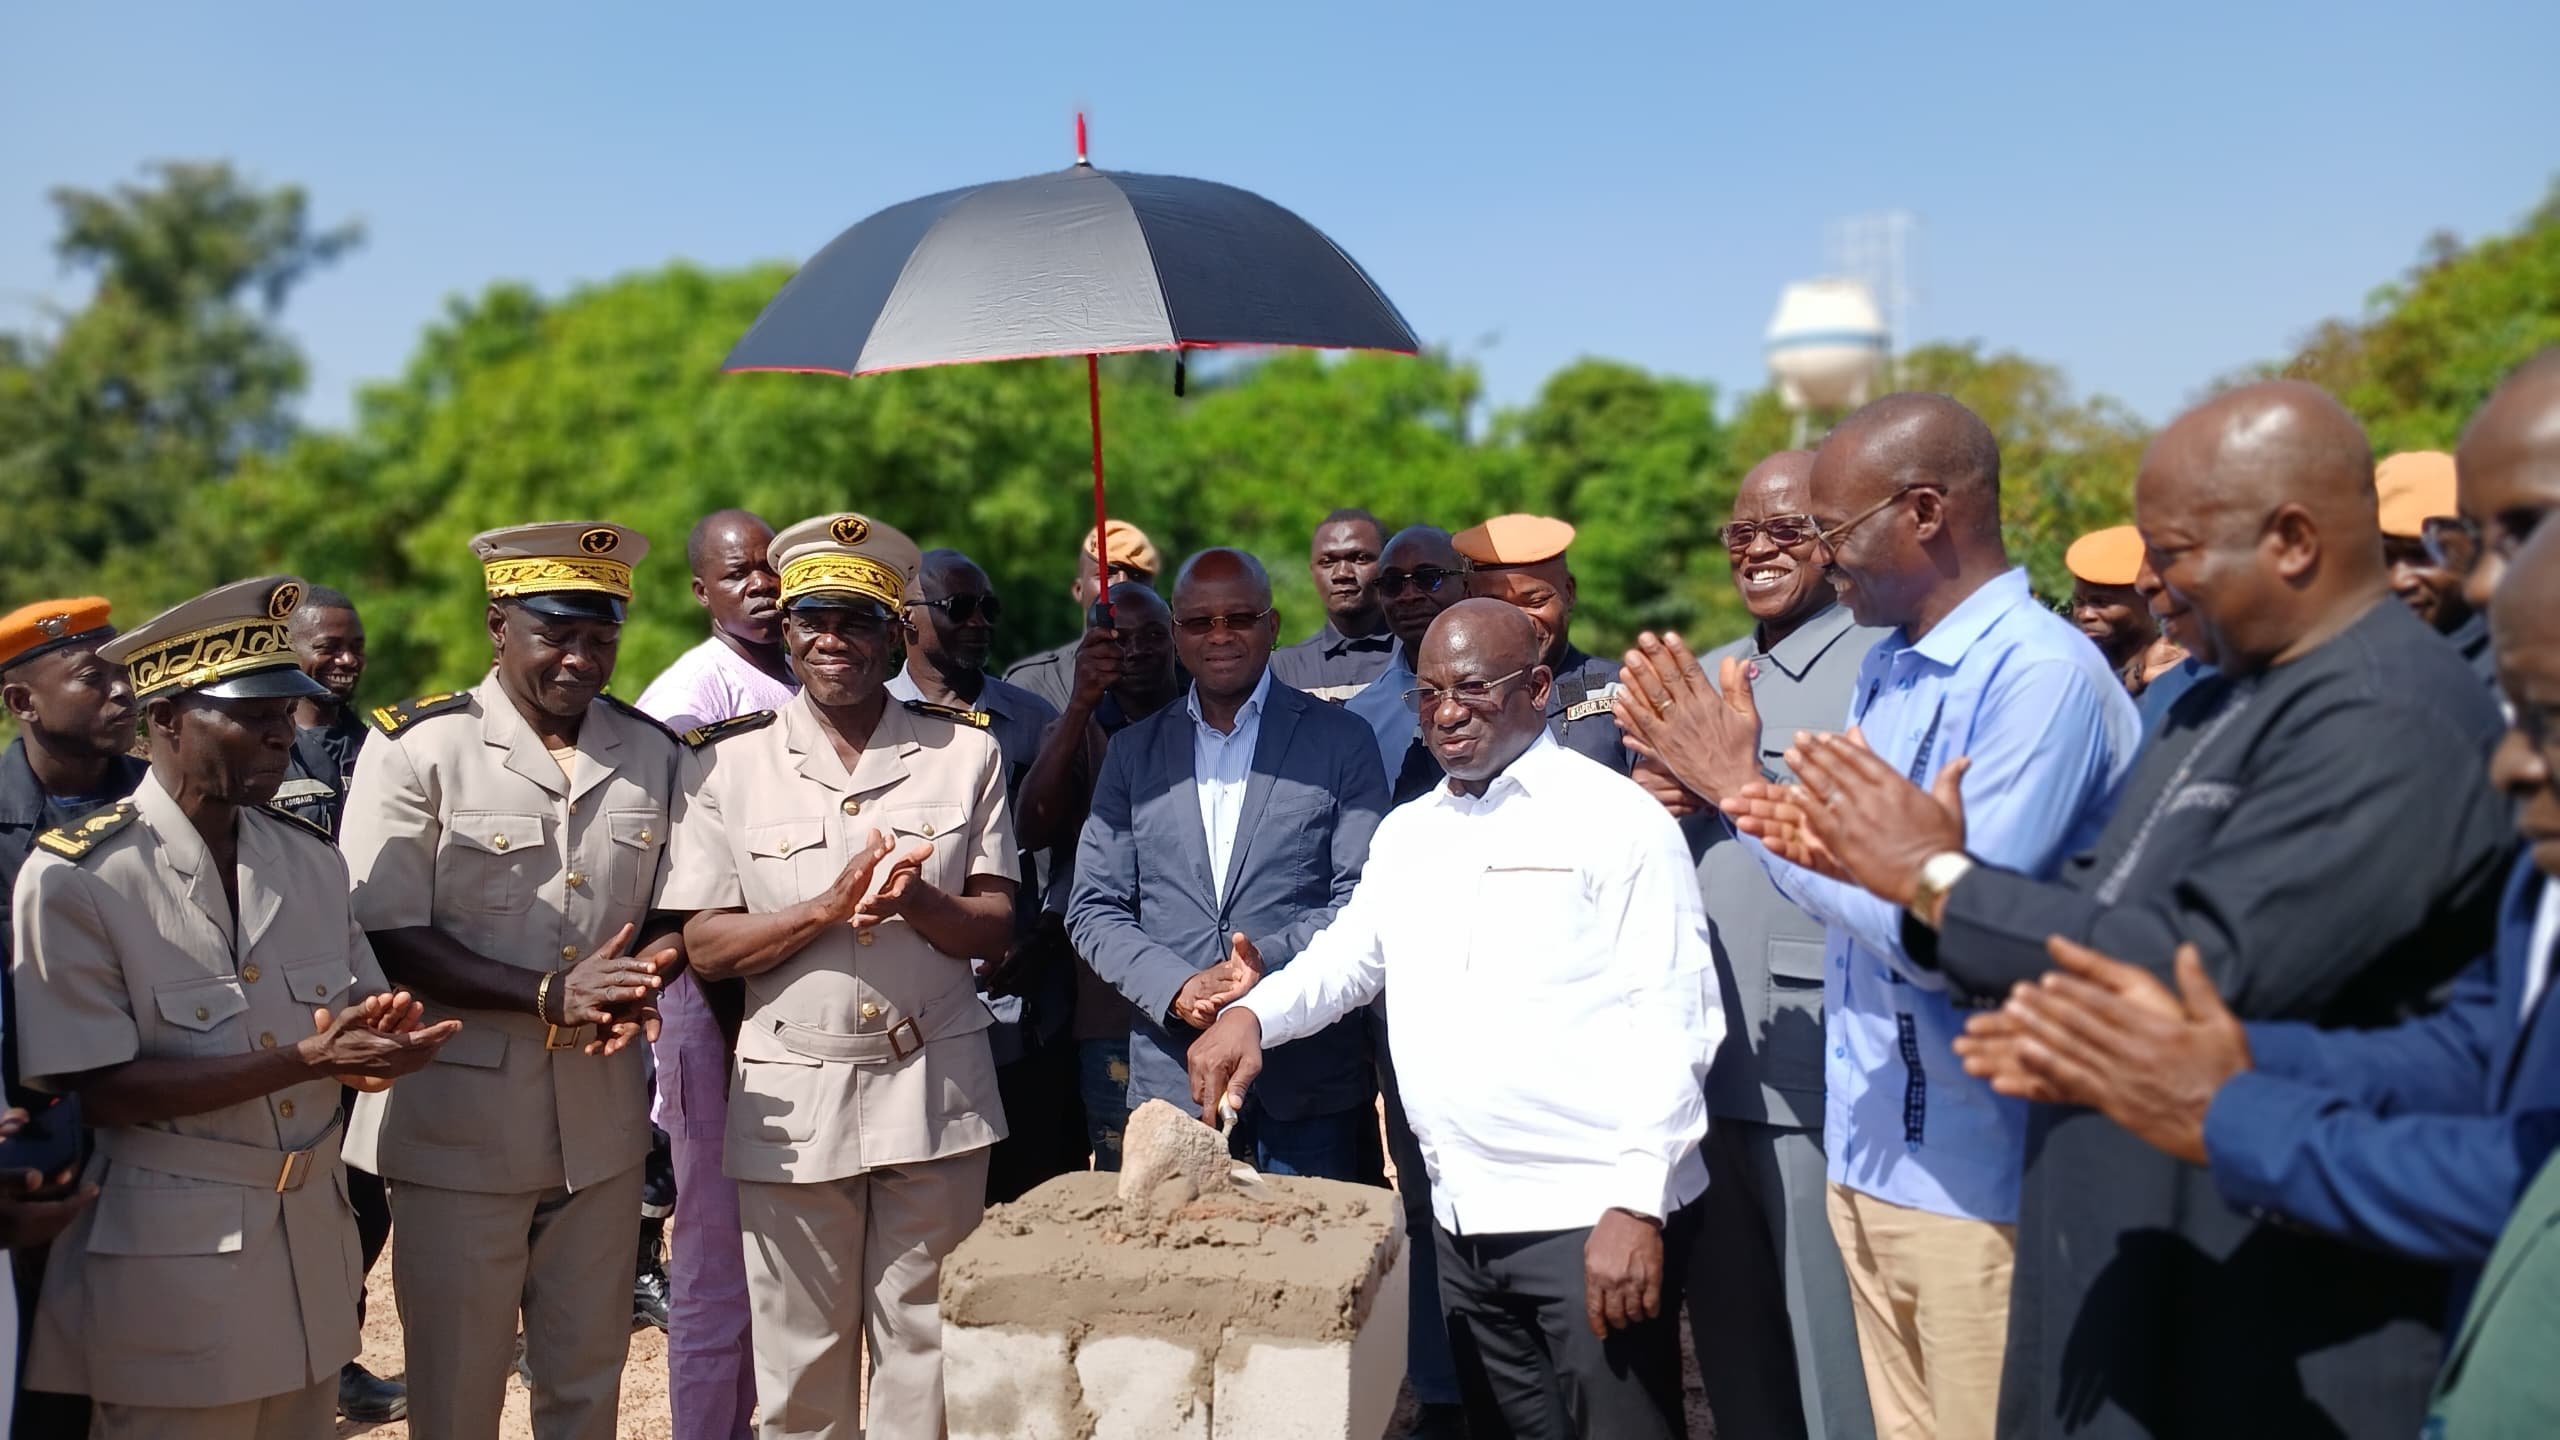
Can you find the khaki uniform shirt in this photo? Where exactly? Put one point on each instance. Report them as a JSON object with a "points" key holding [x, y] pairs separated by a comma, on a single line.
{"points": [[866, 1049], [461, 820], [212, 1270]]}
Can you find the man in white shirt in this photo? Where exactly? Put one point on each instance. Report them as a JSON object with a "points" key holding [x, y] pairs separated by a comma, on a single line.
{"points": [[1554, 1019]]}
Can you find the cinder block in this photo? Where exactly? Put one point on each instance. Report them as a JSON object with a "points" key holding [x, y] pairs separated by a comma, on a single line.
{"points": [[1140, 1388], [1279, 1316], [1003, 1383]]}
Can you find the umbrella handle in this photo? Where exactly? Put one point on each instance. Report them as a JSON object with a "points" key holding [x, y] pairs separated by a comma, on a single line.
{"points": [[1101, 535]]}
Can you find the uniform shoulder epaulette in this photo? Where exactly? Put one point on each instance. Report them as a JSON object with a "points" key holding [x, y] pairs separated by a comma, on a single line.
{"points": [[1600, 704], [392, 719], [75, 840], [636, 713], [701, 735], [275, 810], [952, 713]]}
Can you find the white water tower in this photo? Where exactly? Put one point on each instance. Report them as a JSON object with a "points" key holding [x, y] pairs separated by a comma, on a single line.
{"points": [[1827, 347]]}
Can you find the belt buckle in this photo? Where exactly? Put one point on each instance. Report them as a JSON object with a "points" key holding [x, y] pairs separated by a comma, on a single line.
{"points": [[915, 1038], [295, 1169], [561, 1037]]}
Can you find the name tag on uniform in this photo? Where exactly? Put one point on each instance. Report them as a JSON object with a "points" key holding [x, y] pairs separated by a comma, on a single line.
{"points": [[1602, 703]]}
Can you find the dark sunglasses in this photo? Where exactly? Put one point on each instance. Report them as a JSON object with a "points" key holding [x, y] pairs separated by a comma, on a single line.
{"points": [[1784, 531], [1240, 622], [964, 608], [1392, 583]]}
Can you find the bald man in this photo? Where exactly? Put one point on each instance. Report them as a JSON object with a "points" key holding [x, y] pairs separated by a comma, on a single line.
{"points": [[1555, 1009], [2509, 470], [1922, 1160], [2314, 819]]}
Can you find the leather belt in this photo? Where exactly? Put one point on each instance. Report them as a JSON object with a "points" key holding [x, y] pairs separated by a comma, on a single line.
{"points": [[223, 1162], [903, 1037]]}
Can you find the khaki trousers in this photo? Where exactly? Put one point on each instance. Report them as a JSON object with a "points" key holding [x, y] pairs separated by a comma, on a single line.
{"points": [[310, 1413], [1931, 1296], [830, 1260], [467, 1263]]}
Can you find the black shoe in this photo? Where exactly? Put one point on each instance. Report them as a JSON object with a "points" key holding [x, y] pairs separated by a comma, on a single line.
{"points": [[523, 1371], [1438, 1422], [366, 1397], [649, 1300]]}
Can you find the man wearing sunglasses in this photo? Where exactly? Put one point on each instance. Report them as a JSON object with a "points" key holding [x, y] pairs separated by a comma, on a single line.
{"points": [[2415, 488], [951, 628], [1420, 574], [1225, 831]]}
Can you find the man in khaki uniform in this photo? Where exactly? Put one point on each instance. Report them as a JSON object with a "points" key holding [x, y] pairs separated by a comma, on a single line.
{"points": [[171, 952], [506, 844], [847, 857]]}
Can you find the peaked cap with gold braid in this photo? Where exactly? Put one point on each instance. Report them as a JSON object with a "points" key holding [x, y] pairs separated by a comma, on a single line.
{"points": [[573, 569], [845, 561], [228, 643]]}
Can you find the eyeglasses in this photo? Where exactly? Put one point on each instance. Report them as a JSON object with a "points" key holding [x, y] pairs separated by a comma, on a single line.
{"points": [[1832, 536], [1476, 695], [964, 608], [843, 624], [1784, 531], [1239, 622], [1425, 579]]}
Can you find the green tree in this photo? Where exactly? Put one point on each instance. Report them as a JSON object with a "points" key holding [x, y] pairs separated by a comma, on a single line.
{"points": [[173, 373]]}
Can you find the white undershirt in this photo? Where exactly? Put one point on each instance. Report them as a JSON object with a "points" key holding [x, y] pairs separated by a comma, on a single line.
{"points": [[2537, 953]]}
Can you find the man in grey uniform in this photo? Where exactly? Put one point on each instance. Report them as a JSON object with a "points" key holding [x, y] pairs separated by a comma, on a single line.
{"points": [[1766, 1270]]}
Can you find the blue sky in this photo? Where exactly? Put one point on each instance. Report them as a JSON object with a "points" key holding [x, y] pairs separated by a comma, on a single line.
{"points": [[2146, 194]]}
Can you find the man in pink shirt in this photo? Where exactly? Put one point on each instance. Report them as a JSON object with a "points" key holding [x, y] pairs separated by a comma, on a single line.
{"points": [[738, 671]]}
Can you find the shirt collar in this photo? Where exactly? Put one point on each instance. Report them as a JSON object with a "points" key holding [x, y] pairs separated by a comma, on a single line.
{"points": [[1947, 641], [1334, 642], [1249, 711], [1530, 773], [1796, 654]]}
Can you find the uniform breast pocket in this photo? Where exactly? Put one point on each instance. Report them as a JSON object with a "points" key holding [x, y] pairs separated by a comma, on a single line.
{"points": [[489, 861], [1532, 924], [203, 1017], [321, 982], [939, 824], [637, 836], [786, 862]]}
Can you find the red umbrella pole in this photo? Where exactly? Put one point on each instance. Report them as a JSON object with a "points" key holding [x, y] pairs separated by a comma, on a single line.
{"points": [[1101, 537]]}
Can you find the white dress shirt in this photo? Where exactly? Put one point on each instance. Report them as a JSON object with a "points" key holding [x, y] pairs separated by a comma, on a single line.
{"points": [[1221, 764], [1555, 998], [2538, 945]]}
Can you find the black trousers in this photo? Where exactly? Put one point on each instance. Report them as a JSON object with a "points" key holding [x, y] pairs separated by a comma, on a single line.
{"points": [[1044, 1122], [372, 1204], [1528, 1364]]}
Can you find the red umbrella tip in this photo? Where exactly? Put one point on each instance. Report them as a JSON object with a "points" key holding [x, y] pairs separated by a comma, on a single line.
{"points": [[1080, 150]]}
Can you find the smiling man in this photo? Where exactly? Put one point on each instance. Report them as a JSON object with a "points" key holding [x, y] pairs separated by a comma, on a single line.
{"points": [[1535, 905], [328, 641], [2417, 492]]}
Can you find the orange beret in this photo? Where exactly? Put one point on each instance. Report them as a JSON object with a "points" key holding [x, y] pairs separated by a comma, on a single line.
{"points": [[50, 625], [1508, 540], [2415, 486], [2112, 556], [1129, 546]]}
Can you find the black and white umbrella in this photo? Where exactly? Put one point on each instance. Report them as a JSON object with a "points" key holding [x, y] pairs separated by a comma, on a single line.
{"points": [[1076, 262]]}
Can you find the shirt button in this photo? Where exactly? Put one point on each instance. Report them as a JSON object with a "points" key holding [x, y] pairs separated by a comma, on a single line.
{"points": [[497, 842], [568, 952], [267, 1041], [852, 806], [576, 879], [870, 1011], [319, 992], [1839, 1052], [926, 830], [203, 1014], [646, 837], [249, 973], [285, 1108], [862, 937]]}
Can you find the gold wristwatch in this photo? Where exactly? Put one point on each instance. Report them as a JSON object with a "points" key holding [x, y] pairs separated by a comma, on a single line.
{"points": [[1938, 875]]}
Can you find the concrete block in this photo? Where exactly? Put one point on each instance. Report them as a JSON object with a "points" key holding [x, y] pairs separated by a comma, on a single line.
{"points": [[1137, 1387], [1278, 1316], [1000, 1382]]}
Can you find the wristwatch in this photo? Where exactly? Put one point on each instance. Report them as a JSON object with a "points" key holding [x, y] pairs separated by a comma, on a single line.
{"points": [[1938, 875]]}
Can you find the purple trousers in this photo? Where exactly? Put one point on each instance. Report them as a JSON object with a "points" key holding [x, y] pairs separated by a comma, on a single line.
{"points": [[711, 1379]]}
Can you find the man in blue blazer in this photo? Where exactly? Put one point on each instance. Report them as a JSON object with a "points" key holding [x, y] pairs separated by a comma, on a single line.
{"points": [[2417, 1138], [1224, 832]]}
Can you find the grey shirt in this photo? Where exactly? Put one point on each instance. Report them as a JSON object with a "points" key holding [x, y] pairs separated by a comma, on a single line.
{"points": [[1768, 952]]}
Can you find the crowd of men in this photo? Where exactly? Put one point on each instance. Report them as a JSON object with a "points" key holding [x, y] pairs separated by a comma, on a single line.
{"points": [[1986, 1016]]}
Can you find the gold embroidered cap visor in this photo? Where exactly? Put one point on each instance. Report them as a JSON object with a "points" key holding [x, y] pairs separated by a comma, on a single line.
{"points": [[568, 569], [227, 644], [845, 561]]}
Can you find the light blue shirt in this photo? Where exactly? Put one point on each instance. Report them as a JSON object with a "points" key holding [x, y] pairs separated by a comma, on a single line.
{"points": [[1381, 702], [2051, 735], [1221, 763]]}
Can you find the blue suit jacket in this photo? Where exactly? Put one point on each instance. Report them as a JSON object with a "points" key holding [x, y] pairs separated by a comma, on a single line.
{"points": [[1145, 916], [2418, 1138]]}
